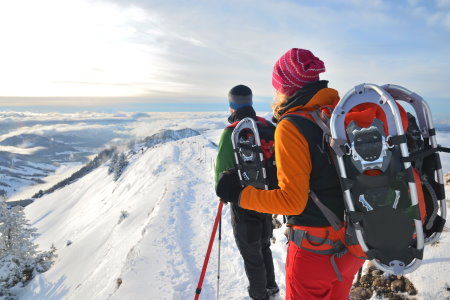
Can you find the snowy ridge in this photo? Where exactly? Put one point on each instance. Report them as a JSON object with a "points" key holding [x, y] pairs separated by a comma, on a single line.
{"points": [[26, 159], [145, 235], [157, 250], [87, 213], [168, 135]]}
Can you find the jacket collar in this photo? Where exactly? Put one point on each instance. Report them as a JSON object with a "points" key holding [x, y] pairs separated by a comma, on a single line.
{"points": [[246, 111], [304, 95], [324, 97]]}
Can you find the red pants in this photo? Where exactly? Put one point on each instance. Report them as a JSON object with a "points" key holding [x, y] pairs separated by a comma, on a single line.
{"points": [[311, 276]]}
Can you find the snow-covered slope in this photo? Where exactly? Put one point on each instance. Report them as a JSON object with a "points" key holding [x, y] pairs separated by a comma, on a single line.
{"points": [[157, 250], [145, 235]]}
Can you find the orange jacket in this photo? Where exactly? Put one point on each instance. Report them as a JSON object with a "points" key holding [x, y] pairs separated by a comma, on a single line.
{"points": [[293, 166]]}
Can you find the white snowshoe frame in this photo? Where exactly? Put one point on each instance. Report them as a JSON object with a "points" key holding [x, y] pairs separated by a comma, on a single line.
{"points": [[250, 124], [386, 97], [423, 113]]}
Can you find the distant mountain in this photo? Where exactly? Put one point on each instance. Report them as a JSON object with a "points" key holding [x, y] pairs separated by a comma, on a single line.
{"points": [[163, 136], [32, 140], [167, 135], [91, 140], [75, 140], [20, 168], [83, 171]]}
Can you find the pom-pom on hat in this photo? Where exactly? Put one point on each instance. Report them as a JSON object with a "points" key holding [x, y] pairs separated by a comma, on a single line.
{"points": [[295, 69], [240, 96]]}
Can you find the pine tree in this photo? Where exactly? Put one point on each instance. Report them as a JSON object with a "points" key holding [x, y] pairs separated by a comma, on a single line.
{"points": [[19, 257], [120, 166], [112, 163], [44, 260]]}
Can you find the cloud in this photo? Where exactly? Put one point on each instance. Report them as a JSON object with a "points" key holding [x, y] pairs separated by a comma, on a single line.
{"points": [[87, 116], [92, 127], [23, 151], [137, 51], [436, 14], [49, 49], [241, 44], [414, 2], [101, 128], [443, 3], [112, 125], [56, 128], [446, 20]]}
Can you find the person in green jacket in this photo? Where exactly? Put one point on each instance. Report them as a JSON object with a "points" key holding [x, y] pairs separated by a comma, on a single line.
{"points": [[252, 230]]}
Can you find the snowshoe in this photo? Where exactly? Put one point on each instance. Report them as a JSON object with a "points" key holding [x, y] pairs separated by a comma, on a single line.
{"points": [[395, 201], [423, 148], [249, 154]]}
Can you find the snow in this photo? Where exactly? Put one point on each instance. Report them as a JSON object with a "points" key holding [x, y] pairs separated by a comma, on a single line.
{"points": [[432, 278], [59, 173], [443, 139], [157, 250], [24, 171]]}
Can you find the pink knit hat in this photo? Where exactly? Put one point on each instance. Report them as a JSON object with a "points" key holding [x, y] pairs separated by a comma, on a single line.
{"points": [[294, 69]]}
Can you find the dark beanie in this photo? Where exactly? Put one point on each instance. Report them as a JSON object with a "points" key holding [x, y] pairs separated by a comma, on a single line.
{"points": [[240, 96]]}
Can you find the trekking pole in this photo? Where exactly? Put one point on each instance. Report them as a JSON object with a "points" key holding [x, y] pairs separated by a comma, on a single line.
{"points": [[208, 251], [218, 260]]}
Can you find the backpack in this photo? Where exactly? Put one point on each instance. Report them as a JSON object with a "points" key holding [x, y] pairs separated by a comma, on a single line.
{"points": [[253, 146], [390, 174]]}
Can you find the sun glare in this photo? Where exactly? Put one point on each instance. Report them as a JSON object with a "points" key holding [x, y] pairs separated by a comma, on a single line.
{"points": [[74, 48]]}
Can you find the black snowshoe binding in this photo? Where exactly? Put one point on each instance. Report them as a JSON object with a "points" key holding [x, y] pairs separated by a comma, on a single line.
{"points": [[249, 155], [382, 177]]}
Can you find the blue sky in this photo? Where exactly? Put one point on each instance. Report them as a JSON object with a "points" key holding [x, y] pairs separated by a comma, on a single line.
{"points": [[186, 55]]}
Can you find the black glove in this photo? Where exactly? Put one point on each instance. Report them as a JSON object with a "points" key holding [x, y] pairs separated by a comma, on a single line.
{"points": [[229, 186]]}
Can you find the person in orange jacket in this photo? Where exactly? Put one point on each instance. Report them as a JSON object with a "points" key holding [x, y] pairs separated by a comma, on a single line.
{"points": [[317, 264]]}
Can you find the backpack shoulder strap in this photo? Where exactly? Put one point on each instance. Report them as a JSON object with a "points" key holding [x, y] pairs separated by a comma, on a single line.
{"points": [[313, 116], [232, 126], [300, 119], [262, 121], [320, 122], [329, 215]]}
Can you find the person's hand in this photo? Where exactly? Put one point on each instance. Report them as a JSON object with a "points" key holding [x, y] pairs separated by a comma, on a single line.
{"points": [[229, 186]]}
